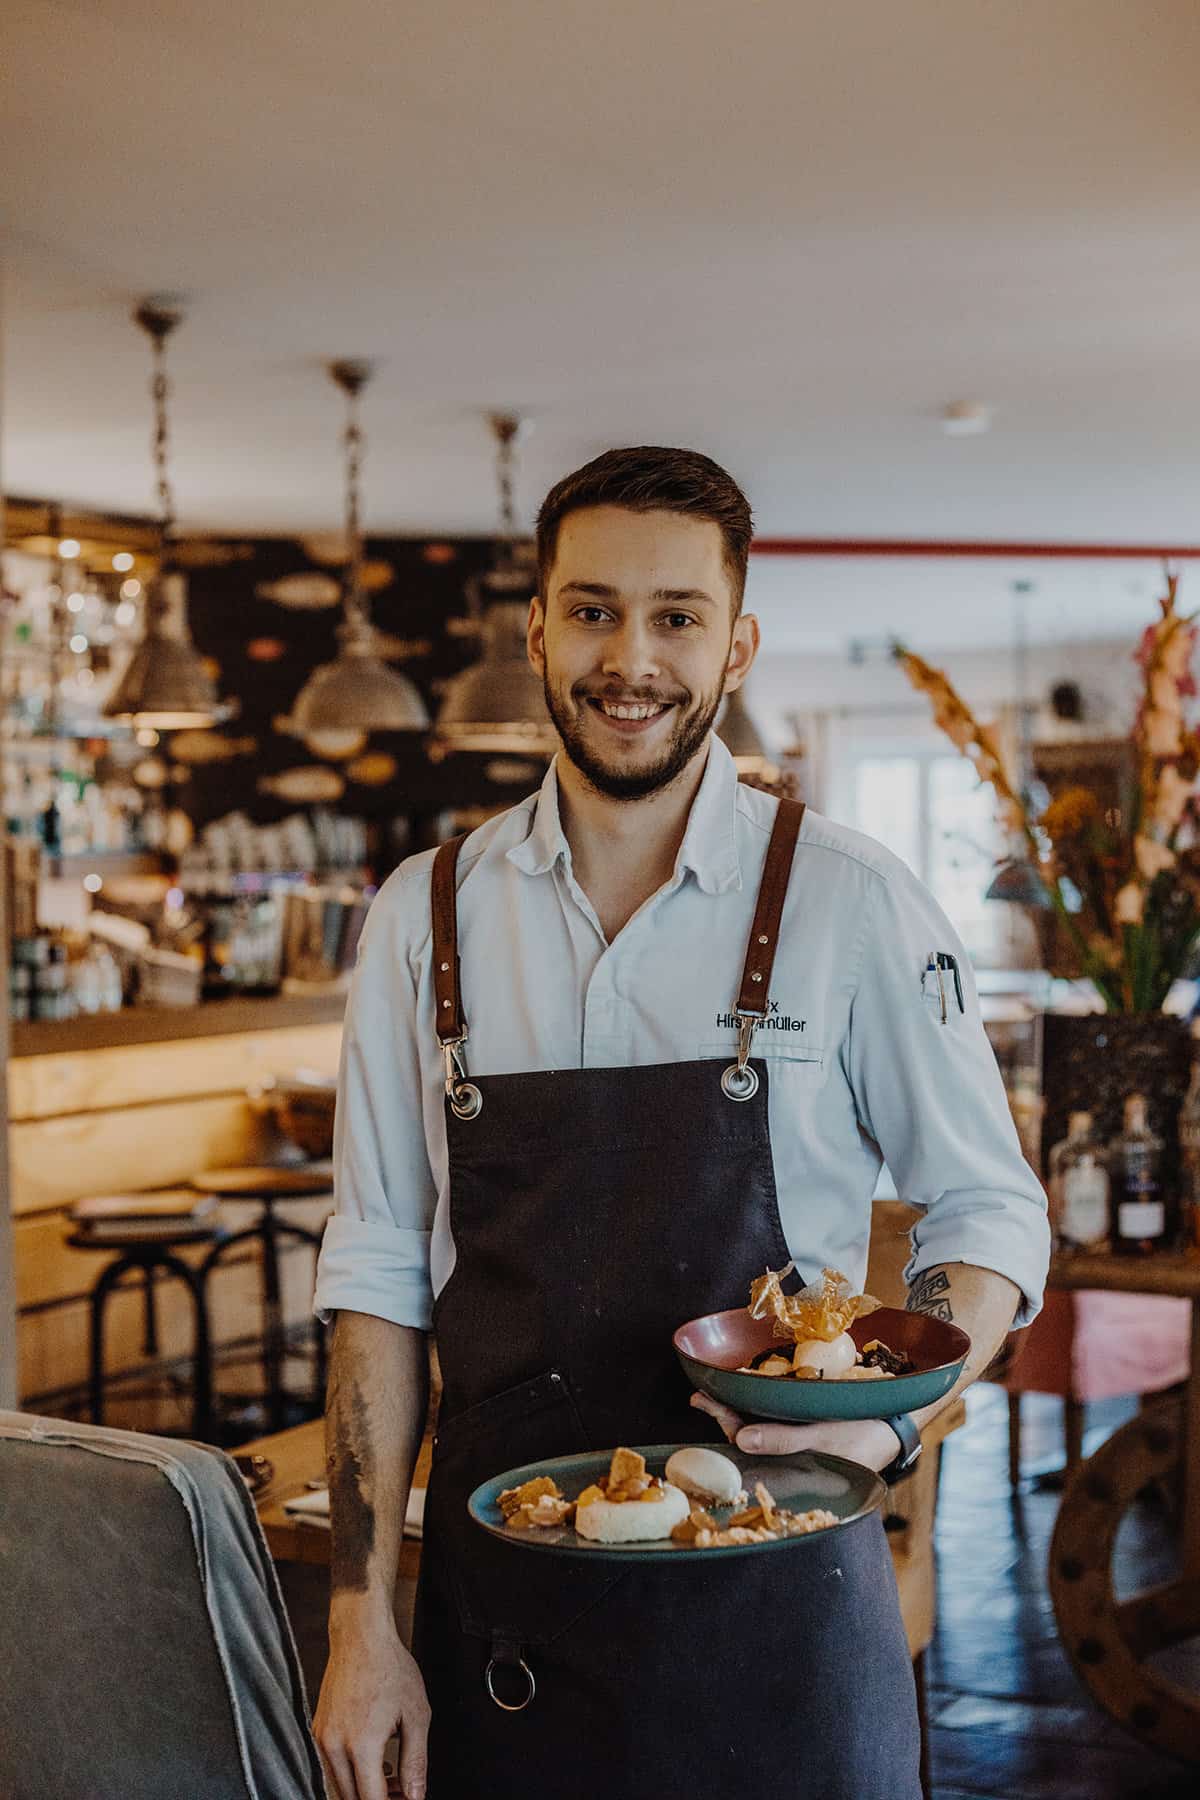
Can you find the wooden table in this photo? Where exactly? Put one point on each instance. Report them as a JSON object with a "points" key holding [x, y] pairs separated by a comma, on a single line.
{"points": [[1108, 1640]]}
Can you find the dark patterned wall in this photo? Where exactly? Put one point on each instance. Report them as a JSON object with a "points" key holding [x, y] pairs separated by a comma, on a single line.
{"points": [[261, 609]]}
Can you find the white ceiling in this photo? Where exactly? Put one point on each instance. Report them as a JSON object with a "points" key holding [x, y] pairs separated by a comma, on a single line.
{"points": [[785, 233]]}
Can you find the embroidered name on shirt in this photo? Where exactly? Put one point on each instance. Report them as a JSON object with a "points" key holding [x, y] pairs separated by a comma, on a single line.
{"points": [[775, 1021]]}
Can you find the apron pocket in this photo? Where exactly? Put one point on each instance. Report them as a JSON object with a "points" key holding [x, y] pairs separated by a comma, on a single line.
{"points": [[498, 1590]]}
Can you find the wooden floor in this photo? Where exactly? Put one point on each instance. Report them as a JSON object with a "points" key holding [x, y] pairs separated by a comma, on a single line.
{"points": [[1008, 1718]]}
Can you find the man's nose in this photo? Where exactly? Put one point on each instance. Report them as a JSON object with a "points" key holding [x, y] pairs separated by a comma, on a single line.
{"points": [[630, 653]]}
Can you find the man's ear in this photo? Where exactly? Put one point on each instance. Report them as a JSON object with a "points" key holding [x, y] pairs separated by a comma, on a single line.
{"points": [[535, 635], [743, 649]]}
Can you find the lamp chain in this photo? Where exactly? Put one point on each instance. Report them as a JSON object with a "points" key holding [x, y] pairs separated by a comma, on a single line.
{"points": [[160, 388], [353, 440]]}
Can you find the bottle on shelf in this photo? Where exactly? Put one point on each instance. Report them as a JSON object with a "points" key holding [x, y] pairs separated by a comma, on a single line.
{"points": [[1189, 1163], [1079, 1187], [1142, 1210]]}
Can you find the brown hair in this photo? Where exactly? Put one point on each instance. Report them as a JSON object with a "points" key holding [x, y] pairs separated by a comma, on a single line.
{"points": [[648, 478]]}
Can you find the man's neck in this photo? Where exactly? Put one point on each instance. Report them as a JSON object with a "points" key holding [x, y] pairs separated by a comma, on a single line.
{"points": [[626, 842]]}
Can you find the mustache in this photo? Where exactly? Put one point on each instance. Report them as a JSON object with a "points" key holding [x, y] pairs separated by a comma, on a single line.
{"points": [[625, 698]]}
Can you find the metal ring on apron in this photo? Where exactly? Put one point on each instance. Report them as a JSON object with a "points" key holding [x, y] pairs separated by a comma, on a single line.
{"points": [[504, 1705], [466, 1101], [739, 1081]]}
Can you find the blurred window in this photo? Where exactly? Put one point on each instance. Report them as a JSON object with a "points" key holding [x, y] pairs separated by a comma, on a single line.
{"points": [[930, 809]]}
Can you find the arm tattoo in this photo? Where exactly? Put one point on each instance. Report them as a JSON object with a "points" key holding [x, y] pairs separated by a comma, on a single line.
{"points": [[349, 1466], [930, 1293]]}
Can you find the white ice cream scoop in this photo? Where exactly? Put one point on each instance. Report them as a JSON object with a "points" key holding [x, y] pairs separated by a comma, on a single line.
{"points": [[832, 1359], [706, 1475]]}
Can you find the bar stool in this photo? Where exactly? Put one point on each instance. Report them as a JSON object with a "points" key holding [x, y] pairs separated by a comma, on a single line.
{"points": [[146, 1253], [270, 1184]]}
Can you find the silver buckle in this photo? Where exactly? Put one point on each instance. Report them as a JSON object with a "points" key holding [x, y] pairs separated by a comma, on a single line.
{"points": [[466, 1101], [739, 1081]]}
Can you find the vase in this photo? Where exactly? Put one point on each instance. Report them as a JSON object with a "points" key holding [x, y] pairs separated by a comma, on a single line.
{"points": [[1091, 1062]]}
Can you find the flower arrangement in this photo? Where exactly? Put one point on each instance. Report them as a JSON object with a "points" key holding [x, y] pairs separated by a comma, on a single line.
{"points": [[1127, 889]]}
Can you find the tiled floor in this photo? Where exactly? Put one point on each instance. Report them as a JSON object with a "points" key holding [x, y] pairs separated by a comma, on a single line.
{"points": [[1009, 1720]]}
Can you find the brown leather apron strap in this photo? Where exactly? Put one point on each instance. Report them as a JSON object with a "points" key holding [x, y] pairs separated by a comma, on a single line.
{"points": [[451, 1024], [764, 935]]}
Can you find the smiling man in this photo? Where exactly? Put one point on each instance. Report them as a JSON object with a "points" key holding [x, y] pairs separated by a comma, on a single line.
{"points": [[698, 1025]]}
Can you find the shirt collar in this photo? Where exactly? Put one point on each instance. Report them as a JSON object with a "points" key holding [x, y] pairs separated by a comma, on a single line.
{"points": [[709, 847]]}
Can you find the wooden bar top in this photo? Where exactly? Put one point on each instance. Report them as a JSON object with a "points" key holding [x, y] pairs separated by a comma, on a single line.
{"points": [[168, 1024], [1166, 1272]]}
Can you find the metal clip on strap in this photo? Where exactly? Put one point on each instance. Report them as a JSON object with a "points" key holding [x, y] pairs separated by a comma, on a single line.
{"points": [[466, 1101]]}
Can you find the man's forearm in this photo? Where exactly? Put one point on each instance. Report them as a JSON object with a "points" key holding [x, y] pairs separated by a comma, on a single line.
{"points": [[374, 1419], [983, 1303]]}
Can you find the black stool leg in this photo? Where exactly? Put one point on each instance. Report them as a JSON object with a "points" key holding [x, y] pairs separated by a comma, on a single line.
{"points": [[193, 1280], [99, 1300], [150, 1312], [273, 1344], [301, 1234]]}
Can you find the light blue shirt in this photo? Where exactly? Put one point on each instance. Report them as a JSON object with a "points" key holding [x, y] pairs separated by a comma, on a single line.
{"points": [[862, 1068]]}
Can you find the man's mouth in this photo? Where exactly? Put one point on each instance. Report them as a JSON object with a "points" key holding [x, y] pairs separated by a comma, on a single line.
{"points": [[629, 715]]}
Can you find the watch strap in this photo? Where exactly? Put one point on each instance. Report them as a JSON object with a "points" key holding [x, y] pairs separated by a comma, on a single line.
{"points": [[910, 1448]]}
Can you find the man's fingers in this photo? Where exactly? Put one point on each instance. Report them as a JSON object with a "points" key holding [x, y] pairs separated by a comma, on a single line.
{"points": [[774, 1440], [729, 1421], [339, 1777], [368, 1773], [414, 1755]]}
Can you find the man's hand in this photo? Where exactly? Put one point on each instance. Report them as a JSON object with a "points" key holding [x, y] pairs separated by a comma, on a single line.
{"points": [[871, 1442], [372, 1686]]}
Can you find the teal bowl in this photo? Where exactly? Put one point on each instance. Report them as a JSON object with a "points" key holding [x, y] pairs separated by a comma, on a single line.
{"points": [[712, 1350]]}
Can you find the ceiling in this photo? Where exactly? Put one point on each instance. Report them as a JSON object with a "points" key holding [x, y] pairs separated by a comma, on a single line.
{"points": [[787, 234]]}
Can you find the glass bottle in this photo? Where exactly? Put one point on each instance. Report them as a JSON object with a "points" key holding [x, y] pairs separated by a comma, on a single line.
{"points": [[1079, 1187], [1189, 1163], [1141, 1222]]}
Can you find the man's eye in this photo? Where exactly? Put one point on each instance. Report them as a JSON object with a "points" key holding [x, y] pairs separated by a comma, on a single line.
{"points": [[591, 615], [675, 619]]}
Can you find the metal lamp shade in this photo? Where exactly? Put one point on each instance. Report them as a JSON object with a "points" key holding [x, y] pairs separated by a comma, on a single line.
{"points": [[165, 684], [498, 704], [739, 734], [1020, 883], [357, 692]]}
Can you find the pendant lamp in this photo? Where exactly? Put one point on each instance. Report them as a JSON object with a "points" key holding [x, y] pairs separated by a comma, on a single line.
{"points": [[739, 734], [165, 685], [357, 691], [1017, 880], [498, 705]]}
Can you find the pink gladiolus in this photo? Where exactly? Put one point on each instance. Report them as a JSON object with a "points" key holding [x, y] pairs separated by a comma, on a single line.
{"points": [[1152, 858]]}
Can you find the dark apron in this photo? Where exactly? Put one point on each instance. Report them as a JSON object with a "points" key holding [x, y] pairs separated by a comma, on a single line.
{"points": [[593, 1211]]}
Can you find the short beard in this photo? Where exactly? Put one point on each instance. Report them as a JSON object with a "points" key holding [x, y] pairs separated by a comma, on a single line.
{"points": [[688, 735]]}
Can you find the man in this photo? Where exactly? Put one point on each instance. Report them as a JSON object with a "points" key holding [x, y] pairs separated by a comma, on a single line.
{"points": [[612, 1150]]}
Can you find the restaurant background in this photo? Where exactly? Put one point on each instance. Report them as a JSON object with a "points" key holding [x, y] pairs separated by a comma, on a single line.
{"points": [[924, 280]]}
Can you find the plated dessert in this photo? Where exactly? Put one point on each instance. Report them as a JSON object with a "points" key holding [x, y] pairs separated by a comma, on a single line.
{"points": [[815, 1323], [629, 1505]]}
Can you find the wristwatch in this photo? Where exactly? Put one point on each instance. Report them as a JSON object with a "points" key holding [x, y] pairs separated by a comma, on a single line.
{"points": [[910, 1449]]}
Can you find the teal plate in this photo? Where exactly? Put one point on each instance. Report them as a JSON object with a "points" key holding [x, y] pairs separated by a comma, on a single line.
{"points": [[800, 1482], [711, 1351]]}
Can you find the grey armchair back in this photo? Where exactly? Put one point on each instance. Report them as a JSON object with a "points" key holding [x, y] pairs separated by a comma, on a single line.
{"points": [[144, 1648]]}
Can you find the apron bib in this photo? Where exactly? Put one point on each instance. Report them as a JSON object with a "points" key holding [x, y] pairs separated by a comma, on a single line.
{"points": [[593, 1211]]}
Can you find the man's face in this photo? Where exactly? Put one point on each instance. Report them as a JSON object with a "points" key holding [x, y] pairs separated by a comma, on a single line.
{"points": [[638, 614]]}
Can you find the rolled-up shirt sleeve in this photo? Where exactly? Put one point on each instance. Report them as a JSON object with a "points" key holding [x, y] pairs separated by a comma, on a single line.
{"points": [[931, 1097], [375, 1254]]}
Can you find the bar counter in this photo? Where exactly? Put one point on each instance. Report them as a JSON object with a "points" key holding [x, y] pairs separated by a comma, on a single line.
{"points": [[145, 1098]]}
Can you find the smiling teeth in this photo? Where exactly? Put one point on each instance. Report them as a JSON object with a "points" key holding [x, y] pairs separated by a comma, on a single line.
{"points": [[630, 712]]}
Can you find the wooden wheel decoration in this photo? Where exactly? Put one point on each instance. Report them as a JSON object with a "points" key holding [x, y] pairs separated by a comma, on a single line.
{"points": [[1108, 1639]]}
